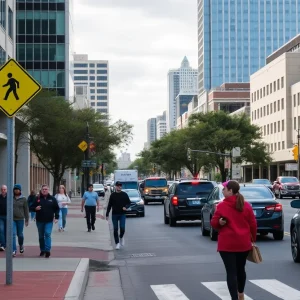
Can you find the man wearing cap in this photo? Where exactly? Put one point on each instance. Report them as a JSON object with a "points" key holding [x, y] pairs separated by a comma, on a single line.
{"points": [[21, 213], [89, 202], [118, 202]]}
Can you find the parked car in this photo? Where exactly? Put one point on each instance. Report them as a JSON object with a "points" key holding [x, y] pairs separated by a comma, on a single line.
{"points": [[137, 207], [267, 210], [286, 186], [265, 182], [295, 232], [99, 189], [183, 200]]}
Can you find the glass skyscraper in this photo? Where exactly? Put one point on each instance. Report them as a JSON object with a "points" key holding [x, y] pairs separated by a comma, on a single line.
{"points": [[236, 36], [44, 42]]}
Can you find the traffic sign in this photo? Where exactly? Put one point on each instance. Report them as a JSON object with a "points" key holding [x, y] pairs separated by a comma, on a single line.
{"points": [[236, 171], [83, 146], [17, 87], [91, 173], [88, 164]]}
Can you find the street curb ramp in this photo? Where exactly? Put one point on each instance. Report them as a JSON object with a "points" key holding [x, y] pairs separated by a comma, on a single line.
{"points": [[79, 281]]}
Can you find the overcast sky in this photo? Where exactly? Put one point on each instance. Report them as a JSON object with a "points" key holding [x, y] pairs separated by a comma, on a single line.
{"points": [[142, 40]]}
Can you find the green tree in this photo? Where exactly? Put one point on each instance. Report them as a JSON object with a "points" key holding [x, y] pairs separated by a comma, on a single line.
{"points": [[55, 130], [142, 165]]}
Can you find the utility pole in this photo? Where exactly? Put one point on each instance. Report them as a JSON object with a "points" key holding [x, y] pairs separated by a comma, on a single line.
{"points": [[87, 157]]}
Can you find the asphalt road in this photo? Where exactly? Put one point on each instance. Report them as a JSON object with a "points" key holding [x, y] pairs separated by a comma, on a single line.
{"points": [[160, 262]]}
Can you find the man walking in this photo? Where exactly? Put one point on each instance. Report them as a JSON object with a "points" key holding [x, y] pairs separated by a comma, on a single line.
{"points": [[21, 212], [89, 201], [118, 202], [3, 208], [47, 209]]}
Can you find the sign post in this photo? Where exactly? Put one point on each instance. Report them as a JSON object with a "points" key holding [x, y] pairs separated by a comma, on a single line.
{"points": [[17, 89]]}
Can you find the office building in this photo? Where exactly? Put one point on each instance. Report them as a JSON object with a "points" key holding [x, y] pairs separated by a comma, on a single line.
{"points": [[44, 43], [124, 161], [151, 130], [161, 125], [81, 97], [236, 37], [183, 79], [182, 101], [95, 74]]}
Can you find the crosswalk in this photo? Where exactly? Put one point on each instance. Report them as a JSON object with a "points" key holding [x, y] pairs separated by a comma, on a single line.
{"points": [[219, 289]]}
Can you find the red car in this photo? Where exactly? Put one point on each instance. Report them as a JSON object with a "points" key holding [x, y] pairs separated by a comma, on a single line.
{"points": [[286, 186]]}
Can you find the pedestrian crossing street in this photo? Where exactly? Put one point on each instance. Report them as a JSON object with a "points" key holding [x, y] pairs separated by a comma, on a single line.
{"points": [[220, 290]]}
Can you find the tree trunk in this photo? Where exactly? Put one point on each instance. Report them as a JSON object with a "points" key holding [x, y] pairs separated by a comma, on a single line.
{"points": [[56, 183], [223, 172]]}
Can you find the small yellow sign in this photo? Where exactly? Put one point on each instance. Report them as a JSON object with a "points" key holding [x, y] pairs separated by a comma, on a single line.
{"points": [[83, 146], [17, 87], [91, 173]]}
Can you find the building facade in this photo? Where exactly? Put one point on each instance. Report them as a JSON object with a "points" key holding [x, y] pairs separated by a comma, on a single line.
{"points": [[275, 108], [161, 125], [151, 130], [44, 43], [236, 37], [124, 161], [183, 80], [94, 74]]}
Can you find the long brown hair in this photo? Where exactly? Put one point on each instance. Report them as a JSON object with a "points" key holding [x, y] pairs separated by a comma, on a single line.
{"points": [[240, 200], [63, 188]]}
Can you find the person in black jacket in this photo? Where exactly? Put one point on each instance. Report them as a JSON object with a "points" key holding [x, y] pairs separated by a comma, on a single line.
{"points": [[47, 211], [118, 202], [31, 198]]}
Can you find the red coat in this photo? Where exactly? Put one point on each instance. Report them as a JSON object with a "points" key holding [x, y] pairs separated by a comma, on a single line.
{"points": [[235, 235]]}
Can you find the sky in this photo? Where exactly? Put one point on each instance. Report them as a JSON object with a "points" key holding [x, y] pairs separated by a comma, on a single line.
{"points": [[142, 40]]}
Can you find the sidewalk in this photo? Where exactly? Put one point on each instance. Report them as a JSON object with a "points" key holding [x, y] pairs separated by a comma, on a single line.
{"points": [[65, 273]]}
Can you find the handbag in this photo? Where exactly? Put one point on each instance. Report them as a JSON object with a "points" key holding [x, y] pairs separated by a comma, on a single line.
{"points": [[254, 254]]}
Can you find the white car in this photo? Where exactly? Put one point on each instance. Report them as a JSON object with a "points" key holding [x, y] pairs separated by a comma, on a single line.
{"points": [[99, 189]]}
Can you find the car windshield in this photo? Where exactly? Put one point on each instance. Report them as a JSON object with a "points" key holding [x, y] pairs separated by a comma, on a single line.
{"points": [[256, 193], [129, 185], [289, 179], [261, 181], [98, 186], [161, 182], [133, 193], [194, 188]]}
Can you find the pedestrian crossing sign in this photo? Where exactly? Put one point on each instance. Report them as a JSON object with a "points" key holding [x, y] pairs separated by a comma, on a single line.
{"points": [[17, 87]]}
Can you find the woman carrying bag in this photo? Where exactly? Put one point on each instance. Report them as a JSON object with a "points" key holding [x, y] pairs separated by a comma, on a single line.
{"points": [[236, 223]]}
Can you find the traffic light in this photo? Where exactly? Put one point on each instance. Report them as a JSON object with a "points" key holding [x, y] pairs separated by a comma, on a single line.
{"points": [[189, 154], [295, 152]]}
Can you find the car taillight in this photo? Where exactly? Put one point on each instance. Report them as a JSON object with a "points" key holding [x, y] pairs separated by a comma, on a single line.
{"points": [[174, 200], [277, 207]]}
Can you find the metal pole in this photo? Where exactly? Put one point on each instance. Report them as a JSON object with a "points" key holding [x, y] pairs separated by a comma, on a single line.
{"points": [[10, 183], [298, 172], [87, 156]]}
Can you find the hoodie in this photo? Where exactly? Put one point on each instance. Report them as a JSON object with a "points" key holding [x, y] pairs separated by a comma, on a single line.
{"points": [[21, 210], [235, 235]]}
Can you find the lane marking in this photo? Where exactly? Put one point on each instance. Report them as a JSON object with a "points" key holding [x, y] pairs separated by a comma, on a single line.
{"points": [[278, 289], [168, 292], [220, 289]]}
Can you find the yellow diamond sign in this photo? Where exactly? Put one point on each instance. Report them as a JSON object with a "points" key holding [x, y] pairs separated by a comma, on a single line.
{"points": [[17, 87], [83, 146]]}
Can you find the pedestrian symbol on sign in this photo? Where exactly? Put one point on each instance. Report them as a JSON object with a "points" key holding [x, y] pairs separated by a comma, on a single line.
{"points": [[13, 85]]}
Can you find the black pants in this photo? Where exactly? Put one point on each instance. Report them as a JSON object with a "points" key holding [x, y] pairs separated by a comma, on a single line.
{"points": [[235, 268], [90, 212]]}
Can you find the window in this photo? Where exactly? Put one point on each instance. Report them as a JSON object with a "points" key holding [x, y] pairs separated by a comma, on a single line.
{"points": [[102, 110], [294, 100], [10, 23], [267, 109], [3, 13], [100, 91], [92, 97], [275, 127], [295, 123], [257, 94], [264, 91], [279, 145], [274, 86], [92, 78], [298, 98], [274, 106], [282, 125], [282, 103], [260, 93], [282, 82], [80, 65], [278, 84], [101, 97], [271, 128], [270, 88], [101, 103], [101, 71], [275, 147], [101, 77], [92, 103], [278, 125], [80, 71], [101, 65], [101, 84], [265, 130], [92, 65], [271, 147], [283, 145], [264, 111], [267, 90], [80, 78], [92, 71], [92, 84], [92, 91], [278, 105], [3, 56]]}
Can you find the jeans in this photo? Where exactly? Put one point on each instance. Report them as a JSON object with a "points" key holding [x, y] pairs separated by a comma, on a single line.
{"points": [[32, 215], [18, 228], [115, 220], [45, 230], [90, 212], [62, 217], [235, 268], [3, 231]]}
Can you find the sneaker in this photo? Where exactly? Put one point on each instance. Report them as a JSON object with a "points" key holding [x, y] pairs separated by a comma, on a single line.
{"points": [[21, 249], [122, 242], [42, 254], [2, 248], [93, 227], [47, 255], [14, 254], [89, 230], [118, 246]]}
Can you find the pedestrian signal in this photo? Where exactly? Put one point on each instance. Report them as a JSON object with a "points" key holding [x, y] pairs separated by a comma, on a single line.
{"points": [[295, 152]]}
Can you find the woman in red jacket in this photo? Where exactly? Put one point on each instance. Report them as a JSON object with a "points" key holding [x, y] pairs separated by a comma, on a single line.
{"points": [[236, 223]]}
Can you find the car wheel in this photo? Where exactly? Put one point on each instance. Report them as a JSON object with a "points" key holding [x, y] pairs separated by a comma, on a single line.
{"points": [[142, 214], [278, 235], [145, 202], [172, 220], [166, 219], [295, 246], [213, 234], [204, 231]]}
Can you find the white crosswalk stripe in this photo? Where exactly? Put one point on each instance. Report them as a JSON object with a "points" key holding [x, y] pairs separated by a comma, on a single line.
{"points": [[219, 288], [278, 289], [168, 292]]}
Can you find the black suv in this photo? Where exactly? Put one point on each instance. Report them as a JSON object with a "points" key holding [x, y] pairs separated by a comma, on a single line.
{"points": [[184, 200]]}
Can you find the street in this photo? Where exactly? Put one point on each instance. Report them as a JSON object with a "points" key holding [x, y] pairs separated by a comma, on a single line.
{"points": [[160, 262]]}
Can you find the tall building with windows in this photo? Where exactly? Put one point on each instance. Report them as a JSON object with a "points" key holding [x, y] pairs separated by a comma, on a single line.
{"points": [[235, 37], [44, 43], [184, 80], [161, 125], [151, 131], [95, 74]]}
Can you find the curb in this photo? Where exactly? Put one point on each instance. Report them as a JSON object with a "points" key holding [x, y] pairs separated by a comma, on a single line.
{"points": [[79, 281]]}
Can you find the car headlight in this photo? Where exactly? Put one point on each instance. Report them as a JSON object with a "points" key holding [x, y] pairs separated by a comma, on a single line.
{"points": [[285, 187], [165, 190], [146, 191], [141, 202]]}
